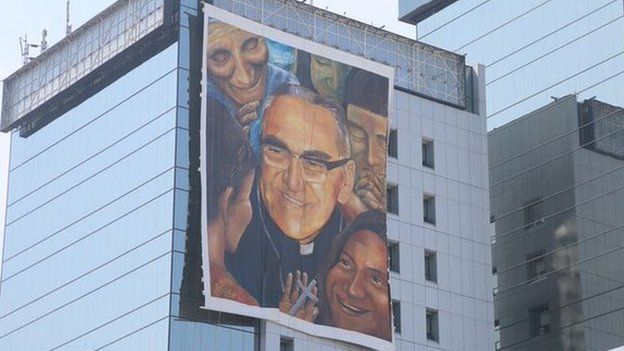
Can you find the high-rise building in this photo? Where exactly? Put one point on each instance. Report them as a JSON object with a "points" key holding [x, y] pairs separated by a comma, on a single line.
{"points": [[103, 245], [532, 49], [556, 181]]}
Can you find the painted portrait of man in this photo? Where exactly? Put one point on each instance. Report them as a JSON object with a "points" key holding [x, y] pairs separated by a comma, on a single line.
{"points": [[290, 208], [326, 77], [366, 103], [295, 179]]}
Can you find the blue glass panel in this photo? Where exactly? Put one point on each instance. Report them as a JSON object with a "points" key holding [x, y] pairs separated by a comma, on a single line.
{"points": [[183, 92], [183, 117], [181, 209], [90, 197], [135, 238], [137, 79], [184, 58], [126, 206], [130, 297], [153, 337], [93, 138], [182, 159], [198, 336], [124, 148], [182, 179]]}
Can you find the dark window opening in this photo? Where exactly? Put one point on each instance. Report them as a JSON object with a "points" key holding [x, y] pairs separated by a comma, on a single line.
{"points": [[429, 209], [427, 153], [533, 213], [287, 344], [396, 315], [539, 321], [393, 144], [536, 265], [392, 198], [431, 266], [393, 251], [432, 325]]}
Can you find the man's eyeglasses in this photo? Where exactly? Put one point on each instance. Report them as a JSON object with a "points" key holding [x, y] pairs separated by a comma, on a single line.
{"points": [[314, 169]]}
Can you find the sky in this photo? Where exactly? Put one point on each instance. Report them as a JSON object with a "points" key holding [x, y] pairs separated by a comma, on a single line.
{"points": [[30, 17]]}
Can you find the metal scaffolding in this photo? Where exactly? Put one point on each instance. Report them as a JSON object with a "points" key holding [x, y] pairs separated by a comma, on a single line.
{"points": [[420, 68], [80, 53]]}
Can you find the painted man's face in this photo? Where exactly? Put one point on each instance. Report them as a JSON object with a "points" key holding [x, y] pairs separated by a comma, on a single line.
{"points": [[357, 286], [328, 77], [368, 134], [237, 60], [299, 193]]}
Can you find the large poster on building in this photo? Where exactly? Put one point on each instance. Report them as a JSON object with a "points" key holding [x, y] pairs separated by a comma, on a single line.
{"points": [[294, 145]]}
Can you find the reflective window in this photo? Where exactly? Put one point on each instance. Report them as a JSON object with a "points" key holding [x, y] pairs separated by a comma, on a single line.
{"points": [[96, 135], [223, 333], [89, 198], [140, 294], [152, 337], [127, 149], [23, 149], [89, 227], [109, 215], [92, 260]]}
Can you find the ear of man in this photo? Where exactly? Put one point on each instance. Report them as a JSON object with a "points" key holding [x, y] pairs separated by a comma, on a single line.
{"points": [[346, 190]]}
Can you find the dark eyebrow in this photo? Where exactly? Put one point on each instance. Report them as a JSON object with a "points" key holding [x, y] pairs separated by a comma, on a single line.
{"points": [[315, 154], [273, 141], [311, 154]]}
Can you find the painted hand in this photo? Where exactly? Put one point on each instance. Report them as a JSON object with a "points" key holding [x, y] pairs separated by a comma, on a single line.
{"points": [[247, 114], [236, 212], [307, 311]]}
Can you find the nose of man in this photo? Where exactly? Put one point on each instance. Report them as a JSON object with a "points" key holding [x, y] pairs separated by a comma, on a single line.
{"points": [[293, 176], [243, 75], [375, 156]]}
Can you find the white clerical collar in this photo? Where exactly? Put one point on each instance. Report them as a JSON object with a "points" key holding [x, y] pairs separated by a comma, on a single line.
{"points": [[306, 249]]}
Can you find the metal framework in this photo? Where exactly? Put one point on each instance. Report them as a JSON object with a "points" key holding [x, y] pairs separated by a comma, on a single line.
{"points": [[420, 68], [608, 134], [80, 53]]}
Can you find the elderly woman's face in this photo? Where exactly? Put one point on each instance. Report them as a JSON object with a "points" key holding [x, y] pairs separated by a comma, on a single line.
{"points": [[238, 62], [357, 286]]}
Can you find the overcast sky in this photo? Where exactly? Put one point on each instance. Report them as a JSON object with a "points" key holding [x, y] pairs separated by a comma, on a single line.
{"points": [[29, 17]]}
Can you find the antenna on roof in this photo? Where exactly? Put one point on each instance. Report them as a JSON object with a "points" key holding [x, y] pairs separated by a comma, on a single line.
{"points": [[68, 26], [44, 42], [25, 46]]}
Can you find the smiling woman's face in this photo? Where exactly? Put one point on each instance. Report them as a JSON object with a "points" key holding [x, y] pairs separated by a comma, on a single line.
{"points": [[357, 286]]}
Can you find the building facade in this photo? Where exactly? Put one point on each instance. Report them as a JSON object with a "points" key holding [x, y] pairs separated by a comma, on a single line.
{"points": [[102, 248], [556, 196], [553, 47]]}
